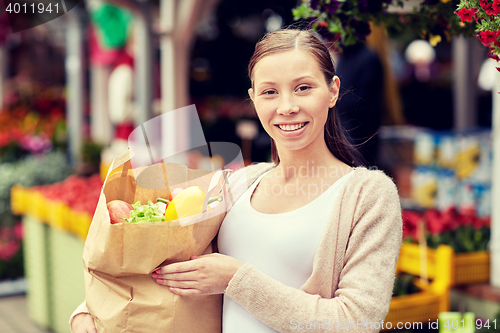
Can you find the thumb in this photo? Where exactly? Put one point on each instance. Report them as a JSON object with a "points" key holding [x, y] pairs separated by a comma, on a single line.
{"points": [[203, 256]]}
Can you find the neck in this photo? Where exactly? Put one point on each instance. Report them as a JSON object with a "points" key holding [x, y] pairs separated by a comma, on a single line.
{"points": [[310, 162]]}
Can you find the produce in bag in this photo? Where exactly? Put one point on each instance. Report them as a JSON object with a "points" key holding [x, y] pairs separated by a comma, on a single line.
{"points": [[119, 258]]}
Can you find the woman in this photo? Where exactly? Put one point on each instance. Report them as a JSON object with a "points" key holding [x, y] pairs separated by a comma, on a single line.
{"points": [[312, 243]]}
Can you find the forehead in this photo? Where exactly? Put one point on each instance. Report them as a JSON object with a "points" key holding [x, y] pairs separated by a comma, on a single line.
{"points": [[285, 64]]}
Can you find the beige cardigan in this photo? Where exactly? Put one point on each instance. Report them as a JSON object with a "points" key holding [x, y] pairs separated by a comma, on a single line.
{"points": [[354, 268]]}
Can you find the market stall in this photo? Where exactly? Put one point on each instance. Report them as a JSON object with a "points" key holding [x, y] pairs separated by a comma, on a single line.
{"points": [[448, 179]]}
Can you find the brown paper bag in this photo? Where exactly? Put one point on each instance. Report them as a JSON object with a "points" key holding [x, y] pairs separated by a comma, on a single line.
{"points": [[119, 258]]}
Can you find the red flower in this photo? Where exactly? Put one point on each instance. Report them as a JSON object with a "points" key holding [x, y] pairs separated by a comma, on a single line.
{"points": [[4, 139], [488, 8], [498, 69], [487, 37], [465, 14], [493, 56], [436, 222], [496, 7], [484, 3], [322, 24], [473, 12]]}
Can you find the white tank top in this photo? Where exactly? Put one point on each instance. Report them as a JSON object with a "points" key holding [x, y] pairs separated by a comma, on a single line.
{"points": [[282, 246]]}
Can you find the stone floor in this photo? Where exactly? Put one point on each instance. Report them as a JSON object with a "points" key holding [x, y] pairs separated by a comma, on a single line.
{"points": [[14, 316]]}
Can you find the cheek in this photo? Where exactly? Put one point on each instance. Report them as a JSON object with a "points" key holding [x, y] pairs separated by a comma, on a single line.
{"points": [[264, 111], [263, 117]]}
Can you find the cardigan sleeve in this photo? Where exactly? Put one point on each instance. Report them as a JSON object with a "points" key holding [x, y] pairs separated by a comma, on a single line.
{"points": [[362, 298], [82, 308]]}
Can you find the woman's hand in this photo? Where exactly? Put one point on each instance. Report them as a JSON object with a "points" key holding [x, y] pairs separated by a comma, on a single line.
{"points": [[202, 275], [83, 323]]}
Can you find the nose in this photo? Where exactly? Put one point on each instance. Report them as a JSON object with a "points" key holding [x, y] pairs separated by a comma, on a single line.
{"points": [[287, 105]]}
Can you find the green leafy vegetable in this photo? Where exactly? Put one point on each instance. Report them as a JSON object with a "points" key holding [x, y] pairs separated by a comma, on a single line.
{"points": [[145, 213]]}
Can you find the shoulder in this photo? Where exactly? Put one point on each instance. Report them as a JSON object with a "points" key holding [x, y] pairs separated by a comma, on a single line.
{"points": [[372, 199], [251, 172], [372, 179], [240, 180], [369, 188]]}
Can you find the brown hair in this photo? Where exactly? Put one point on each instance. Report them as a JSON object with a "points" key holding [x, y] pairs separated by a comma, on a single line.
{"points": [[291, 39]]}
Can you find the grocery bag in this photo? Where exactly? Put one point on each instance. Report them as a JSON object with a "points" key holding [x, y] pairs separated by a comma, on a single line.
{"points": [[118, 259]]}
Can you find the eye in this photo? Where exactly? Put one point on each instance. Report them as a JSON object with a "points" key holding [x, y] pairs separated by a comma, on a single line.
{"points": [[269, 92], [303, 88]]}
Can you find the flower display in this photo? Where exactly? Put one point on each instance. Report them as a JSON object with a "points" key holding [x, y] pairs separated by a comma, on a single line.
{"points": [[79, 193], [485, 14], [32, 125], [32, 170], [346, 22], [463, 231]]}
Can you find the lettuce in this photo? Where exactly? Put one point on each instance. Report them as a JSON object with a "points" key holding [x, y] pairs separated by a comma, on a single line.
{"points": [[146, 213]]}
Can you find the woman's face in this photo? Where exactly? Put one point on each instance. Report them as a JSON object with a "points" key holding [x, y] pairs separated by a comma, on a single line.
{"points": [[292, 98]]}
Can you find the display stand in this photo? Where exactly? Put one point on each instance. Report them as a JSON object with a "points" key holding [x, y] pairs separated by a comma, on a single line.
{"points": [[54, 272]]}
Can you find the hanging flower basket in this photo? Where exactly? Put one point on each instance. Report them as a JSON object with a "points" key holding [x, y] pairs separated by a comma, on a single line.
{"points": [[486, 16], [347, 22]]}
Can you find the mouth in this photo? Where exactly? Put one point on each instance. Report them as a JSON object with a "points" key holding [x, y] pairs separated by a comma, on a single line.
{"points": [[291, 127]]}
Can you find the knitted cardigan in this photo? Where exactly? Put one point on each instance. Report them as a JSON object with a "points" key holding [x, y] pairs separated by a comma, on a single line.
{"points": [[351, 285]]}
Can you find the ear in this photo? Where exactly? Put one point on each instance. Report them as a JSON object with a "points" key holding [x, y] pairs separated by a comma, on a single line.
{"points": [[334, 91], [251, 94]]}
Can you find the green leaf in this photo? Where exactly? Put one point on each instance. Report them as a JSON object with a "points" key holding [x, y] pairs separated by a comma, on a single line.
{"points": [[146, 213]]}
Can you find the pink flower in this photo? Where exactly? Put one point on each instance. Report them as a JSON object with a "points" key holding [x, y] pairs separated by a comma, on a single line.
{"points": [[9, 250], [18, 231], [37, 144]]}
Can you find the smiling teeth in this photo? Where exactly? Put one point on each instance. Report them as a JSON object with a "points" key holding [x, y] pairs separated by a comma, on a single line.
{"points": [[291, 127]]}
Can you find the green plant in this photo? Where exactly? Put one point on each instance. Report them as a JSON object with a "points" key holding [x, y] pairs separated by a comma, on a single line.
{"points": [[30, 171], [403, 285], [91, 152], [346, 22]]}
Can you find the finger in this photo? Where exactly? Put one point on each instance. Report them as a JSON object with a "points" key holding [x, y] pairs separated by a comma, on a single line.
{"points": [[205, 255], [179, 284], [185, 292], [178, 267], [184, 276]]}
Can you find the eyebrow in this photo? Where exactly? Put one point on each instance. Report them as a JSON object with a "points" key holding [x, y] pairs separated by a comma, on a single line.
{"points": [[294, 80]]}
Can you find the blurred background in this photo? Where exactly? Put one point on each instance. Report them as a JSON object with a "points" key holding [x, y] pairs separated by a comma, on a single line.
{"points": [[419, 101]]}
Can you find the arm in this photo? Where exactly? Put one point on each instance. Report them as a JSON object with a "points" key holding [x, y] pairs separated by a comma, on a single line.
{"points": [[366, 279], [81, 321], [366, 269]]}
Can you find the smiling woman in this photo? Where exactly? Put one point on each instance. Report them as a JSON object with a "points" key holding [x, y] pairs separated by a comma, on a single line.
{"points": [[298, 245], [284, 84], [301, 60]]}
